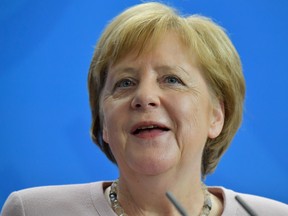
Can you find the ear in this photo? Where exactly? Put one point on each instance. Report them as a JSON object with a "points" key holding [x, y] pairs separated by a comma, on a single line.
{"points": [[217, 119], [105, 133]]}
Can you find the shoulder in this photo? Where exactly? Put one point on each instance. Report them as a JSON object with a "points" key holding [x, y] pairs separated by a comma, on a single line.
{"points": [[260, 205], [265, 206], [75, 199]]}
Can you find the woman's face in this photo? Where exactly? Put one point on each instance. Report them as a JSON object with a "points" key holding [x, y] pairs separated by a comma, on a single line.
{"points": [[157, 111]]}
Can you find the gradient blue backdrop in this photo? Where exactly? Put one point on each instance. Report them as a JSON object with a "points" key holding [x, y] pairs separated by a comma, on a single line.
{"points": [[45, 52]]}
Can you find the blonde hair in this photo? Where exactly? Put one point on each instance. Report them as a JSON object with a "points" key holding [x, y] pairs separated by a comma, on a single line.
{"points": [[138, 29]]}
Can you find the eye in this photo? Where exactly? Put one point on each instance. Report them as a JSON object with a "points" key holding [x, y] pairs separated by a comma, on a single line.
{"points": [[124, 83], [172, 80]]}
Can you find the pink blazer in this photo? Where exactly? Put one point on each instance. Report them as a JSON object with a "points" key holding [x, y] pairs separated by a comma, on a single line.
{"points": [[89, 200]]}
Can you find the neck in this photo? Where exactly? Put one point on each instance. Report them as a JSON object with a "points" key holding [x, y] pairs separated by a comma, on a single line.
{"points": [[145, 195]]}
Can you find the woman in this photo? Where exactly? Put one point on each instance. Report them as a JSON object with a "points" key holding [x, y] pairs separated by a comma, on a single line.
{"points": [[166, 95]]}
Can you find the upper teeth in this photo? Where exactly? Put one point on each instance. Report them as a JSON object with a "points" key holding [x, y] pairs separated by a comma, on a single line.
{"points": [[147, 127]]}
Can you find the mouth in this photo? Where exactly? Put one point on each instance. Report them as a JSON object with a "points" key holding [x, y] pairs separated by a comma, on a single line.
{"points": [[148, 128]]}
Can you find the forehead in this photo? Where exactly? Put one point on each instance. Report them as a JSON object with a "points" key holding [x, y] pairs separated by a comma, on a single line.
{"points": [[169, 55], [163, 49]]}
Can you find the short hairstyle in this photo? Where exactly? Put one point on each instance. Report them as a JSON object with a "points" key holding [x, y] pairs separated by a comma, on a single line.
{"points": [[141, 26]]}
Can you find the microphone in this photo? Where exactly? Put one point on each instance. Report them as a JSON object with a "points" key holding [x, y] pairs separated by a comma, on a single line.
{"points": [[248, 209], [183, 212], [176, 204]]}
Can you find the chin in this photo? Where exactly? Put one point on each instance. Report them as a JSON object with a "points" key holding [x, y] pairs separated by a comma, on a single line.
{"points": [[153, 166]]}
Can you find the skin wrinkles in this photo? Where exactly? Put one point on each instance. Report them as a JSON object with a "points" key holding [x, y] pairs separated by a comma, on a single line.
{"points": [[163, 86], [132, 74], [126, 94], [189, 85]]}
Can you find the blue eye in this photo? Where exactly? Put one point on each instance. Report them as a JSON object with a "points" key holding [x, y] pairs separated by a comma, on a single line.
{"points": [[173, 80], [124, 83]]}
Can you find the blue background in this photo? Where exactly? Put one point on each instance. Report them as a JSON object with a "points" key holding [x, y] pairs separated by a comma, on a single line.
{"points": [[45, 52]]}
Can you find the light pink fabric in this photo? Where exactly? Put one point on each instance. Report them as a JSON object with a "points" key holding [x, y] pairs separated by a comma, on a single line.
{"points": [[88, 200]]}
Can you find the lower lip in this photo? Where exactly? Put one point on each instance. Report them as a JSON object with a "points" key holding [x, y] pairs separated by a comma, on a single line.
{"points": [[150, 134]]}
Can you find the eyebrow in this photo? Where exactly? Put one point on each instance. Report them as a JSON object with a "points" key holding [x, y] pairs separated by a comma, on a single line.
{"points": [[125, 70], [171, 68], [161, 68]]}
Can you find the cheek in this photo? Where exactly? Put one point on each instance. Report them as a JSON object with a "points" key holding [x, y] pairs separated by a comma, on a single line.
{"points": [[114, 118], [186, 111], [191, 119], [107, 117]]}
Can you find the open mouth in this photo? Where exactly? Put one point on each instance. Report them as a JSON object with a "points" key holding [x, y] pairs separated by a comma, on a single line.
{"points": [[149, 128]]}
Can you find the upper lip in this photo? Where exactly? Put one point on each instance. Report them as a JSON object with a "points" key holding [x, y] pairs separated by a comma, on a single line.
{"points": [[147, 124]]}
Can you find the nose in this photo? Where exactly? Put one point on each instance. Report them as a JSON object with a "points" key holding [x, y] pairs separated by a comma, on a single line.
{"points": [[146, 96]]}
